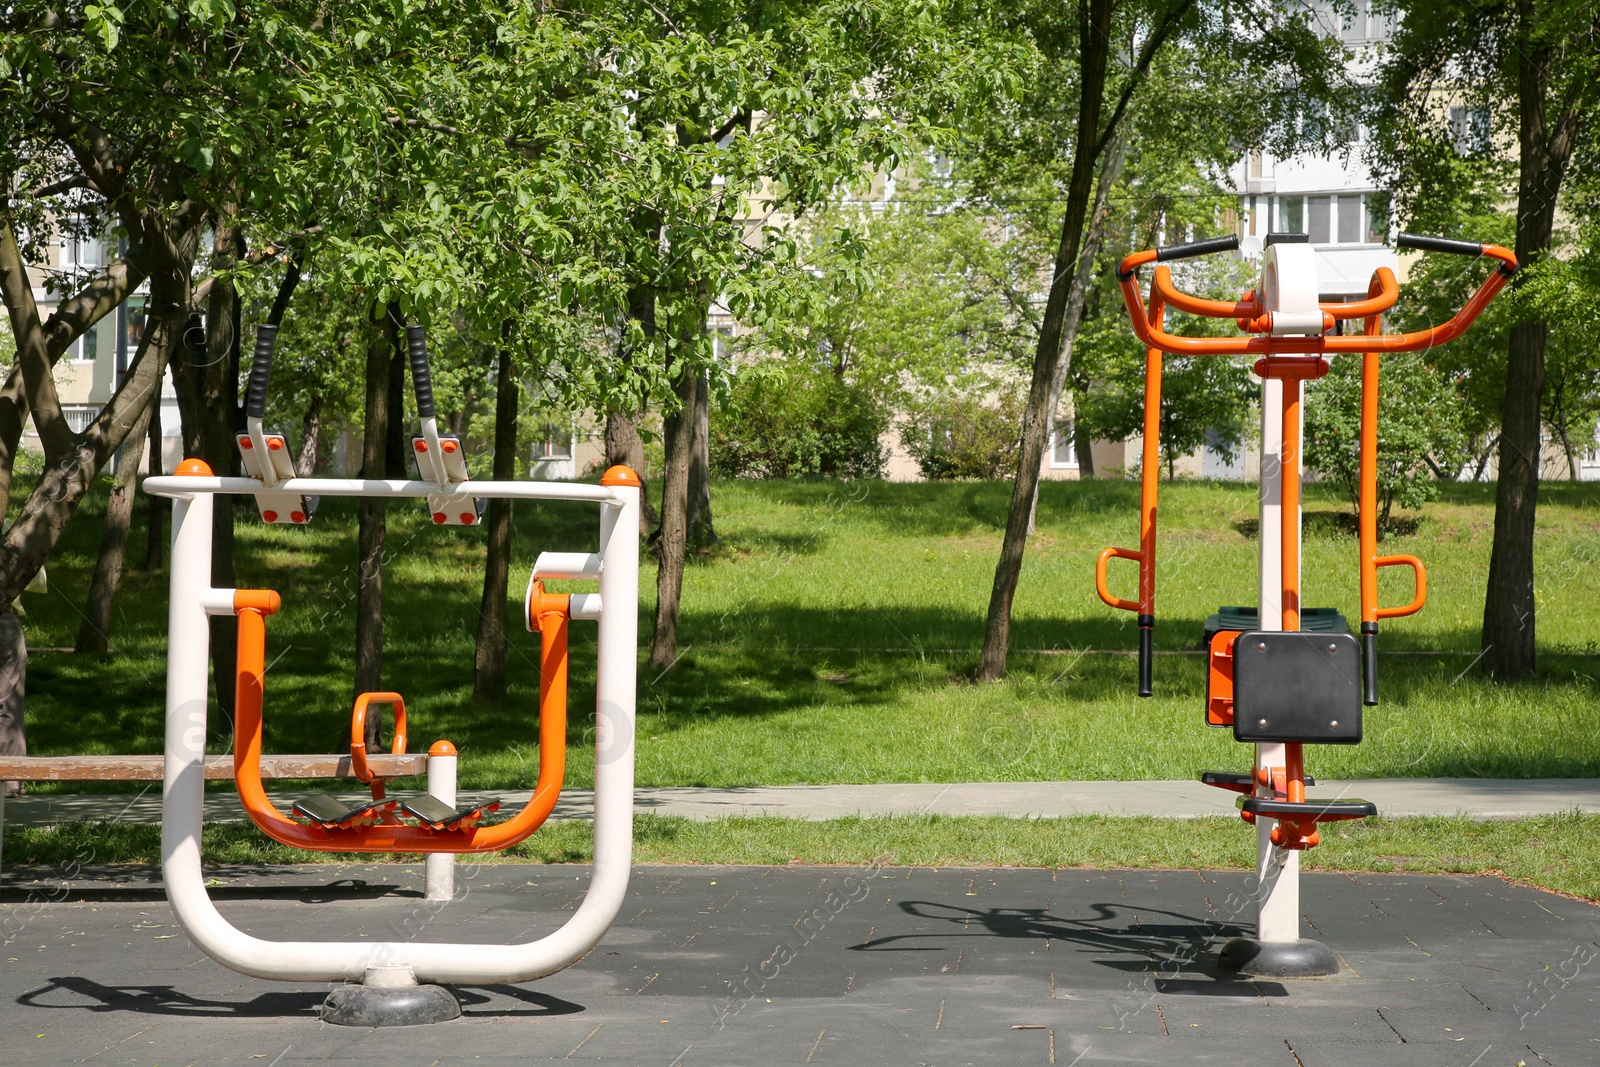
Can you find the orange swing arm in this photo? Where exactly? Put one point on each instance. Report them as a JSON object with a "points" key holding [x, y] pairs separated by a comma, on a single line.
{"points": [[1149, 475], [1371, 612], [252, 606]]}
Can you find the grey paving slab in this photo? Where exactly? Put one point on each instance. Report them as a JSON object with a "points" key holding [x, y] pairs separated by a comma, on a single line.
{"points": [[1483, 798], [744, 965]]}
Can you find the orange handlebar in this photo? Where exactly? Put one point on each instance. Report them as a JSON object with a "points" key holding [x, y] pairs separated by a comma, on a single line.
{"points": [[1100, 576], [1419, 598], [1380, 298], [358, 732]]}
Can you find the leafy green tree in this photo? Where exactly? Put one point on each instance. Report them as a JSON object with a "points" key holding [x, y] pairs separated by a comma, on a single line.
{"points": [[1420, 431], [962, 436], [1523, 74], [1171, 69], [798, 421]]}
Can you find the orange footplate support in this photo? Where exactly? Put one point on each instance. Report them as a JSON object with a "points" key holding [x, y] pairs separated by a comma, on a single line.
{"points": [[252, 606]]}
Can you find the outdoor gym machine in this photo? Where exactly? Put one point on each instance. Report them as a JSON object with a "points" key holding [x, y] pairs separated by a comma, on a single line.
{"points": [[1279, 685], [397, 983]]}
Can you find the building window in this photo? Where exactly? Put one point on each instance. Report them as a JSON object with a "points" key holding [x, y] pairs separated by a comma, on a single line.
{"points": [[554, 442], [1469, 129], [1063, 447], [1320, 231], [1377, 212], [1349, 212], [1291, 214], [86, 347], [79, 416]]}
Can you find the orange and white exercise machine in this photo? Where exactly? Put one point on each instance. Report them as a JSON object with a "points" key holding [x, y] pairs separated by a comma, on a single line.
{"points": [[1279, 685], [398, 982]]}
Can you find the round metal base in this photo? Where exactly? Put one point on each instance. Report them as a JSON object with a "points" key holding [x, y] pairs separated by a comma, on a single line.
{"points": [[1278, 959], [360, 1005]]}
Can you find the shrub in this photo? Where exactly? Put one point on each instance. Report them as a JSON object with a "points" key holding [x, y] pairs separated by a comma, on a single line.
{"points": [[961, 437], [807, 422], [1420, 430]]}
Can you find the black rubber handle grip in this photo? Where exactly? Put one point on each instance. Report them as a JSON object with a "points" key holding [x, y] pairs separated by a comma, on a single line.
{"points": [[1369, 670], [255, 401], [1197, 248], [1147, 655], [1424, 243], [417, 348]]}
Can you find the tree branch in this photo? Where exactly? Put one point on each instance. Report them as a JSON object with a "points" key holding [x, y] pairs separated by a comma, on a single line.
{"points": [[33, 357], [1141, 67]]}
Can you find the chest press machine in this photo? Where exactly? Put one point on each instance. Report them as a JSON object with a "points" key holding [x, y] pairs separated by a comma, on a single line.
{"points": [[1281, 686], [400, 982]]}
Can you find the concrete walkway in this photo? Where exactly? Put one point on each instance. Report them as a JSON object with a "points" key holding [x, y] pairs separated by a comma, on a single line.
{"points": [[1482, 798]]}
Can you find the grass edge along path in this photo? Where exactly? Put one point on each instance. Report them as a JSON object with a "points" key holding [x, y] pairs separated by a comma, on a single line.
{"points": [[1556, 852]]}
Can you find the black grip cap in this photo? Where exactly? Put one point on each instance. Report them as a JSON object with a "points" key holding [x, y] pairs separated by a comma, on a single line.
{"points": [[417, 349], [1424, 243], [1147, 655], [1198, 248], [1369, 667], [255, 403]]}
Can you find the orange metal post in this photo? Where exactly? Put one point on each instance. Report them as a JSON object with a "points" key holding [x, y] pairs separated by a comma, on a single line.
{"points": [[1367, 518], [1290, 497]]}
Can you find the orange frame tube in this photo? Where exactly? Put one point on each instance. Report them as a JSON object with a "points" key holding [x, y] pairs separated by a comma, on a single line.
{"points": [[1149, 491], [252, 606], [1148, 331], [358, 736]]}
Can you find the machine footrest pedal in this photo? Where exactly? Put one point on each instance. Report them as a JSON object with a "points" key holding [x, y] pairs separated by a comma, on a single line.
{"points": [[1238, 783], [1308, 810], [435, 814], [331, 814]]}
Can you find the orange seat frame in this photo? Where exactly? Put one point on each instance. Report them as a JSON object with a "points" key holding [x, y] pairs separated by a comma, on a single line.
{"points": [[252, 606]]}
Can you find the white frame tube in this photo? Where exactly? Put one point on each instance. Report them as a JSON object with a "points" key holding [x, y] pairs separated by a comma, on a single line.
{"points": [[439, 868], [183, 789], [1278, 894]]}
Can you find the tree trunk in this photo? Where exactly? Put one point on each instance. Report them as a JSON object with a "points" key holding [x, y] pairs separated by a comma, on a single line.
{"points": [[305, 464], [94, 632], [701, 529], [13, 692], [1074, 264], [1082, 446], [1545, 149], [396, 453], [489, 658], [381, 355], [159, 506], [72, 459], [623, 446], [220, 414], [672, 543]]}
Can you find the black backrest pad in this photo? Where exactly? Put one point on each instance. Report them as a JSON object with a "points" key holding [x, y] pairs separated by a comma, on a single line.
{"points": [[1297, 686]]}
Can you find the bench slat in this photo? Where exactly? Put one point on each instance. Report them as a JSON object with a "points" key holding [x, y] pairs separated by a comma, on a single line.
{"points": [[218, 768]]}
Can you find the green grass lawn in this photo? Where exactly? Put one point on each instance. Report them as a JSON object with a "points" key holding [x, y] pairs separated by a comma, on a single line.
{"points": [[829, 638], [1559, 852]]}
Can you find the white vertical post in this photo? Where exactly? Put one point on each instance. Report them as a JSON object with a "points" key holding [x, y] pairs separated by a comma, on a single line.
{"points": [[1278, 895], [616, 665], [440, 872], [188, 659]]}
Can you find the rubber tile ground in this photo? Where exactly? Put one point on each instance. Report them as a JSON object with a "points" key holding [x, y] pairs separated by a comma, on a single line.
{"points": [[758, 965]]}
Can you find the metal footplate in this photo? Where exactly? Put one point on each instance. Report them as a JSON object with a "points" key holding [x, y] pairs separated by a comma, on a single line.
{"points": [[1308, 810], [435, 814], [1237, 783], [331, 814]]}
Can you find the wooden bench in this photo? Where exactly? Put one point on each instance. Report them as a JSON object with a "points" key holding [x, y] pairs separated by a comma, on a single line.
{"points": [[218, 769]]}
